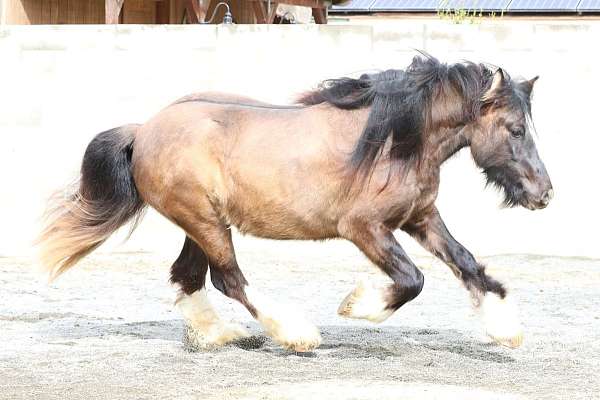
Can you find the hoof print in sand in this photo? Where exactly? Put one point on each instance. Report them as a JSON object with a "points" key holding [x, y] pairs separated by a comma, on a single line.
{"points": [[250, 343]]}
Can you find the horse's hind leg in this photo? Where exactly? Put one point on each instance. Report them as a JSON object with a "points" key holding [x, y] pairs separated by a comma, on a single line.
{"points": [[284, 325], [204, 327]]}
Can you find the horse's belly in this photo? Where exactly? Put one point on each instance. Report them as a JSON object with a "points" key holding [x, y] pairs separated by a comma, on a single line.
{"points": [[268, 218], [282, 198]]}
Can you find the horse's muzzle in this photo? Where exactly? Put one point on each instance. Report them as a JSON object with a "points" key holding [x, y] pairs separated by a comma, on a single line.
{"points": [[541, 201]]}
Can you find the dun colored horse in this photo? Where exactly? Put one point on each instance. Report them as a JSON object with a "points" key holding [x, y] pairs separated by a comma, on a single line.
{"points": [[354, 159]]}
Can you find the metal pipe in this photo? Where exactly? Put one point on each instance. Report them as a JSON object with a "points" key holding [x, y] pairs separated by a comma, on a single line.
{"points": [[227, 18]]}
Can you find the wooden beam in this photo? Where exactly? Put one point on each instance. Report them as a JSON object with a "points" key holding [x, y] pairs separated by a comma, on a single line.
{"points": [[163, 11], [320, 15], [192, 8], [307, 3], [260, 12], [23, 12], [196, 11], [112, 10], [264, 16], [176, 12], [319, 9], [206, 8], [95, 12], [273, 12], [76, 13]]}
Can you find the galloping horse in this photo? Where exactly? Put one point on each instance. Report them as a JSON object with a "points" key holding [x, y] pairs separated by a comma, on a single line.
{"points": [[353, 159]]}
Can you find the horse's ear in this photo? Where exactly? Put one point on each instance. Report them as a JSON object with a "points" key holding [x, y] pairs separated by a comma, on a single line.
{"points": [[498, 82], [527, 86]]}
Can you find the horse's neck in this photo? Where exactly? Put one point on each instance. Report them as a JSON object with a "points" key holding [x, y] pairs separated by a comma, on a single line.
{"points": [[441, 145]]}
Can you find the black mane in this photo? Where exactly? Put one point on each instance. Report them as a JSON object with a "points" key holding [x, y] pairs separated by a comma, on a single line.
{"points": [[405, 104]]}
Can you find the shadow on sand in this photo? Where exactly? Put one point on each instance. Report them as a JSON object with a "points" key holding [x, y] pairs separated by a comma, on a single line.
{"points": [[339, 342]]}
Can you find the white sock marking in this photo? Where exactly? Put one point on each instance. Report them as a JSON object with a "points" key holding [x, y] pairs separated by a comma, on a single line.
{"points": [[286, 325], [205, 326], [366, 301], [501, 319]]}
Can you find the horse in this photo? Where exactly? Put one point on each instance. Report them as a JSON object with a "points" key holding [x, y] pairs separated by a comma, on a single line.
{"points": [[355, 158]]}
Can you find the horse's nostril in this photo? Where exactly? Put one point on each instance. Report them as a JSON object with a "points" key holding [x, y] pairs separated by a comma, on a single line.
{"points": [[547, 196]]}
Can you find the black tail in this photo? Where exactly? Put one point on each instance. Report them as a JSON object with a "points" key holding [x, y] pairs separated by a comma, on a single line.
{"points": [[81, 218]]}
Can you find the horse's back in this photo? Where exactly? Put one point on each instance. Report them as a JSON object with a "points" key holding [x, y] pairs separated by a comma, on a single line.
{"points": [[229, 99]]}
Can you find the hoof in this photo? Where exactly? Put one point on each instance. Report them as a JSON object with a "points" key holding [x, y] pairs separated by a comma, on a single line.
{"points": [[285, 324], [298, 335], [510, 342], [501, 320], [365, 302], [214, 335]]}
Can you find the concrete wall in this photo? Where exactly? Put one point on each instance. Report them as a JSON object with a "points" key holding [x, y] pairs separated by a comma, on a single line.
{"points": [[59, 86]]}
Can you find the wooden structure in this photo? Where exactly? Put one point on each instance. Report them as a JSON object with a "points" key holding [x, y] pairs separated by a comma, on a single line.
{"points": [[265, 16], [34, 12]]}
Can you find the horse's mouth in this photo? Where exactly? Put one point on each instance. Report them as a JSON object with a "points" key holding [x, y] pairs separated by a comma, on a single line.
{"points": [[533, 204], [536, 199]]}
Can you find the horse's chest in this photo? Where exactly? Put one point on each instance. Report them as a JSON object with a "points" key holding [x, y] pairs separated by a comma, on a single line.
{"points": [[411, 204]]}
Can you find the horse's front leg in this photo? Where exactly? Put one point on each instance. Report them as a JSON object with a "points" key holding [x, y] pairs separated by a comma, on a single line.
{"points": [[500, 315], [377, 242]]}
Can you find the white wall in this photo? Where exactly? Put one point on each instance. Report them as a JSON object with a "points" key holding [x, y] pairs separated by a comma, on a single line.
{"points": [[60, 85]]}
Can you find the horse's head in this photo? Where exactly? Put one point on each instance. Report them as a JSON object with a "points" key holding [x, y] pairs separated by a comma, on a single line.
{"points": [[502, 144]]}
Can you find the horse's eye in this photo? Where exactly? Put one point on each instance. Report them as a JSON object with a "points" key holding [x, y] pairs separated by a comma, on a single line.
{"points": [[517, 133]]}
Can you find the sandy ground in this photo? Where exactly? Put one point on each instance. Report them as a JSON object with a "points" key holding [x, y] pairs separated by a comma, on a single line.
{"points": [[108, 330]]}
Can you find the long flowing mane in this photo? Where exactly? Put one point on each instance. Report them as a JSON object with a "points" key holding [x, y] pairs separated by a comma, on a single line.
{"points": [[405, 105]]}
